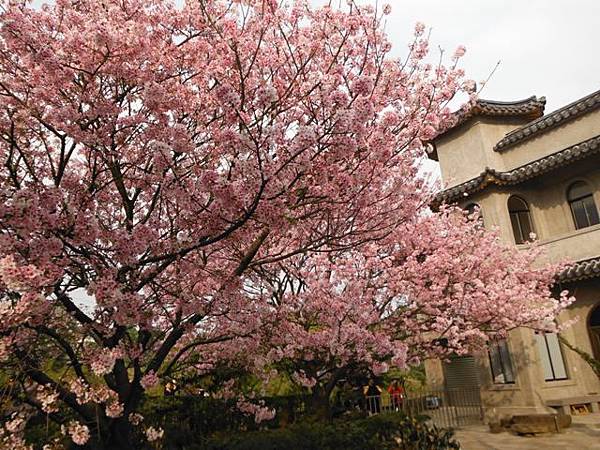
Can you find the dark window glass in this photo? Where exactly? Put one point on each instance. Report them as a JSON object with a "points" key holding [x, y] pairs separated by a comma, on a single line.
{"points": [[520, 219], [500, 363], [595, 331], [583, 207], [551, 357]]}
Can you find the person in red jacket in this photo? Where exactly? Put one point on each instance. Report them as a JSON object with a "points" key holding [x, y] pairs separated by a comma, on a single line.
{"points": [[396, 391]]}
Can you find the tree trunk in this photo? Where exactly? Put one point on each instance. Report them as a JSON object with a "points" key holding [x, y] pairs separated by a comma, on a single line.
{"points": [[120, 436], [119, 433], [589, 359], [319, 403]]}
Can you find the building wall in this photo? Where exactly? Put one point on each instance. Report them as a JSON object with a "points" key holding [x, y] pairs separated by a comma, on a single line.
{"points": [[464, 154], [530, 392], [563, 136], [550, 211]]}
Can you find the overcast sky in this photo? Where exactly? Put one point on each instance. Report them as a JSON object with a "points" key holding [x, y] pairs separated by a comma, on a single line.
{"points": [[546, 47]]}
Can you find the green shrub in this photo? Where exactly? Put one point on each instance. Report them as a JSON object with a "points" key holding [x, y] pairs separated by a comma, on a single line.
{"points": [[185, 415], [381, 432], [210, 424]]}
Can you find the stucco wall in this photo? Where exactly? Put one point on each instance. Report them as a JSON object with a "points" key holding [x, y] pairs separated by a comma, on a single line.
{"points": [[463, 153], [550, 211], [462, 156], [569, 133]]}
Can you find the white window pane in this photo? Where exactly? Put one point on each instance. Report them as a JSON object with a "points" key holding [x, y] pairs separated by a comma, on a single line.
{"points": [[544, 356], [556, 357]]}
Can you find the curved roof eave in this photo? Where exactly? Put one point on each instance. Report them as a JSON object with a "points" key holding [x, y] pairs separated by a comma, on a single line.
{"points": [[529, 108], [549, 121], [520, 174], [581, 270]]}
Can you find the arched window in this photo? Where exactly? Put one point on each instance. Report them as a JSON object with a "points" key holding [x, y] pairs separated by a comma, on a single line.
{"points": [[520, 218], [583, 208]]}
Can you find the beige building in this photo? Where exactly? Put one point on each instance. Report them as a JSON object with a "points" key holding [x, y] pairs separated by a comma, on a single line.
{"points": [[532, 173]]}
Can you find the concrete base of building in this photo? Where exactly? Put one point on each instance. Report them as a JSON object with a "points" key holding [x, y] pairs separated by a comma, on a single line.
{"points": [[498, 413], [590, 403]]}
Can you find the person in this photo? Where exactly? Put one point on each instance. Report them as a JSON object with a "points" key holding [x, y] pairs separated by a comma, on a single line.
{"points": [[373, 394], [396, 391]]}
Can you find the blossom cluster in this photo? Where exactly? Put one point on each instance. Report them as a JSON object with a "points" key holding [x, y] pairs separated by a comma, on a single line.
{"points": [[47, 398], [258, 410], [225, 183], [103, 361], [78, 433], [12, 432], [154, 434]]}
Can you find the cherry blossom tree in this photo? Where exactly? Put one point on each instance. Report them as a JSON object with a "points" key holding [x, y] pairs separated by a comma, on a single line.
{"points": [[438, 285], [164, 169]]}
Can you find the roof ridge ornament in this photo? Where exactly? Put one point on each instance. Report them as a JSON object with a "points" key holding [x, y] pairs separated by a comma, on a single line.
{"points": [[531, 107]]}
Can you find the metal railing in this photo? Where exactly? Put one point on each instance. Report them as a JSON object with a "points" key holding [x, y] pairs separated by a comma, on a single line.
{"points": [[445, 408]]}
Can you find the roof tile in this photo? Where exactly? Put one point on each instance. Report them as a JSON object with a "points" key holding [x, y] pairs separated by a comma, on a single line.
{"points": [[549, 121], [530, 108], [581, 270], [520, 174]]}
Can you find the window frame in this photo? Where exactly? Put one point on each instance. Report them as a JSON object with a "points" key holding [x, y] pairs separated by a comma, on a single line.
{"points": [[581, 200], [593, 329], [548, 354], [505, 363], [517, 214]]}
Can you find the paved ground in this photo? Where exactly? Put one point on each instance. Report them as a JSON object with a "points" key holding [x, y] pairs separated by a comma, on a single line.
{"points": [[584, 434]]}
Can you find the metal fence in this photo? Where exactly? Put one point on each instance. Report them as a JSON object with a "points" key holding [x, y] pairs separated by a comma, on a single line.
{"points": [[445, 408]]}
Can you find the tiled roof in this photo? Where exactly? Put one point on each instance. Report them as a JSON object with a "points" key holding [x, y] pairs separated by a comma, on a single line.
{"points": [[520, 174], [529, 108], [549, 121], [581, 270]]}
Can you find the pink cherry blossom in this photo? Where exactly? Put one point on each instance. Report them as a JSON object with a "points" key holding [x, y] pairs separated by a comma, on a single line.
{"points": [[114, 409], [225, 183], [149, 380], [103, 362], [78, 433], [47, 399], [12, 432], [459, 52], [135, 418], [419, 28], [259, 411], [154, 434]]}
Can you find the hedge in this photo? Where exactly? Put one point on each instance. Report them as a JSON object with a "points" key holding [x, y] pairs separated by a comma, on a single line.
{"points": [[380, 432]]}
